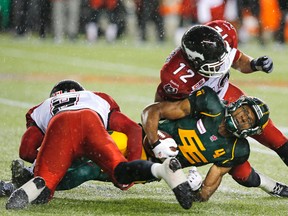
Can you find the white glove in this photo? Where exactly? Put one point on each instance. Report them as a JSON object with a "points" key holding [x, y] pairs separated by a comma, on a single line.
{"points": [[194, 178], [165, 148]]}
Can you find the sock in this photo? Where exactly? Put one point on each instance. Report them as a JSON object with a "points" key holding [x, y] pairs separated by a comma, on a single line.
{"points": [[170, 171], [33, 188], [267, 184]]}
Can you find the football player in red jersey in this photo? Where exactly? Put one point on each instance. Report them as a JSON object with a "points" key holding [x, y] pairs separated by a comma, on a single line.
{"points": [[204, 58], [75, 123]]}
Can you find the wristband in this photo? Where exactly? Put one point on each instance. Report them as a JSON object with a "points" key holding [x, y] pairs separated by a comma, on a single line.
{"points": [[155, 144], [253, 65]]}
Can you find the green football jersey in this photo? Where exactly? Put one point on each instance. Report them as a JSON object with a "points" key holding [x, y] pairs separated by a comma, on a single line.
{"points": [[197, 135]]}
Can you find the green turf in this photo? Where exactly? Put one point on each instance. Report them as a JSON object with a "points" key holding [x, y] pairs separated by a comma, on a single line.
{"points": [[130, 73]]}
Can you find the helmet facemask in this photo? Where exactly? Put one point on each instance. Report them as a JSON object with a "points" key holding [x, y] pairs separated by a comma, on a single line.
{"points": [[218, 68], [260, 110]]}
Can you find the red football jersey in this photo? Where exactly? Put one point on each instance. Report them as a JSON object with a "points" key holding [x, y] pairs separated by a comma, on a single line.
{"points": [[178, 80]]}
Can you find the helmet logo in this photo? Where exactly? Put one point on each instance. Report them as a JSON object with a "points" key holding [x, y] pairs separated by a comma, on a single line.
{"points": [[209, 43], [170, 89], [193, 54]]}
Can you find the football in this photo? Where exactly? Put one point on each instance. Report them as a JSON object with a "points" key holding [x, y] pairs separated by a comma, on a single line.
{"points": [[161, 135]]}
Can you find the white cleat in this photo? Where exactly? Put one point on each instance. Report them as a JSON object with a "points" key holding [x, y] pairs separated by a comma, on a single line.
{"points": [[174, 176]]}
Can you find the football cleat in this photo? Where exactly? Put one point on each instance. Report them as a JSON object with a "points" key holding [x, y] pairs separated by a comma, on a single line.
{"points": [[28, 193], [20, 174], [177, 181], [280, 190], [18, 200], [6, 189], [194, 178]]}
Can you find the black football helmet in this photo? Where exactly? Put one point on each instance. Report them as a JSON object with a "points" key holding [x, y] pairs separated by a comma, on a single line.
{"points": [[206, 51], [66, 86], [260, 109]]}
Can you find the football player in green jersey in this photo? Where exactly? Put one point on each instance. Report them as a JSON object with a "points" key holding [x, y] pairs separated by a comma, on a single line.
{"points": [[208, 131], [200, 141]]}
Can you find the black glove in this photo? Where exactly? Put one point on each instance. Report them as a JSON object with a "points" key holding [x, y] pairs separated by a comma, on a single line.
{"points": [[263, 63]]}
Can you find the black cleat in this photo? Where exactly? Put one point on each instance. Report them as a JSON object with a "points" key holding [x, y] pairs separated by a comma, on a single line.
{"points": [[30, 192], [18, 200], [280, 190], [184, 195], [6, 189], [20, 174]]}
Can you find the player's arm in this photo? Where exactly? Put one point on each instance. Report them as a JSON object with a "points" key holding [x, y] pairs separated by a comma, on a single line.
{"points": [[247, 64], [153, 113], [31, 139], [161, 95], [212, 182], [122, 123], [158, 98], [30, 142]]}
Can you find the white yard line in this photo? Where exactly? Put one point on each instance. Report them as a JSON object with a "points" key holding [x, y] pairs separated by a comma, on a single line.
{"points": [[79, 62], [13, 103]]}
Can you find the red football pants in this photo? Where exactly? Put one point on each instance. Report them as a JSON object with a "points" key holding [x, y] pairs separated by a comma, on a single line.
{"points": [[70, 135], [271, 137]]}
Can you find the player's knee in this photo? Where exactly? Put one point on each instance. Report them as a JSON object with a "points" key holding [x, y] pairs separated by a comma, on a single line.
{"points": [[283, 153], [137, 170], [252, 180], [121, 173]]}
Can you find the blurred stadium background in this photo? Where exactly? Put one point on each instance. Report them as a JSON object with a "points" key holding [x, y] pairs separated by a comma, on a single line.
{"points": [[129, 71]]}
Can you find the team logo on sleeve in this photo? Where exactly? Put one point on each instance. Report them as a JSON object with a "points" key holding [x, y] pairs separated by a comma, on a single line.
{"points": [[170, 89]]}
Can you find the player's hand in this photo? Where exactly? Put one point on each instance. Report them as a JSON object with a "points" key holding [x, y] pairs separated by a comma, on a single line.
{"points": [[165, 148], [194, 179], [263, 63]]}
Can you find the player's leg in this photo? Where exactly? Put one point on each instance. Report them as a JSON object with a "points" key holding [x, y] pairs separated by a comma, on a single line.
{"points": [[274, 139], [81, 172], [101, 148], [245, 175], [53, 160], [170, 171]]}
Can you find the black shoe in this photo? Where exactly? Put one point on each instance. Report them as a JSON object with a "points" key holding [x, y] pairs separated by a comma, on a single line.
{"points": [[30, 192], [184, 195], [280, 190], [43, 197], [18, 200], [20, 174], [6, 189]]}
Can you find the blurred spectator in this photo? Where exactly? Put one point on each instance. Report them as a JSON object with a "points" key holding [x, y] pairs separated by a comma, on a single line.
{"points": [[188, 13], [116, 12], [20, 16], [250, 7], [208, 10], [65, 19], [280, 34], [187, 18], [149, 10], [5, 6], [44, 17], [231, 12]]}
